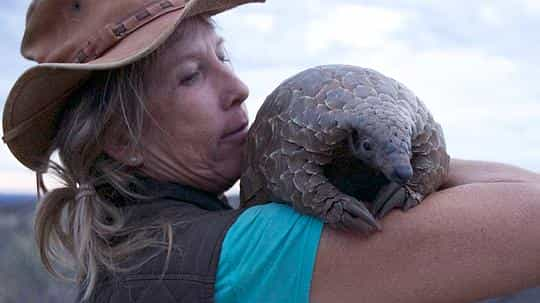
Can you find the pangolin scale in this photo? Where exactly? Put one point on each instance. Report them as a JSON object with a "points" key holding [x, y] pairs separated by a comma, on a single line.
{"points": [[343, 143]]}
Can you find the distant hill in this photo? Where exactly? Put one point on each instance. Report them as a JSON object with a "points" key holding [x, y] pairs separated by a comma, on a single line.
{"points": [[16, 198]]}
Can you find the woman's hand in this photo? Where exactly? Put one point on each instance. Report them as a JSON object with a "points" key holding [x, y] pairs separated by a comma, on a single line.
{"points": [[467, 172], [478, 238]]}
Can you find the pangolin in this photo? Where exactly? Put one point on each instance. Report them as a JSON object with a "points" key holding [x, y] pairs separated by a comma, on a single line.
{"points": [[343, 143]]}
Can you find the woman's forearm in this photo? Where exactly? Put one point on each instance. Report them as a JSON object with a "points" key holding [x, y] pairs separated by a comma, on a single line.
{"points": [[461, 244], [467, 172]]}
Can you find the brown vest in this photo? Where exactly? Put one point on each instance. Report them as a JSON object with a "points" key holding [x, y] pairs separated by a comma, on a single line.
{"points": [[200, 222]]}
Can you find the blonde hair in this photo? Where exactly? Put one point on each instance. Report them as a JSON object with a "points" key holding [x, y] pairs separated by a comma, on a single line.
{"points": [[77, 223]]}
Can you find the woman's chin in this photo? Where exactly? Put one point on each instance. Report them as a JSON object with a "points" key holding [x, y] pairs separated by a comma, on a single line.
{"points": [[229, 172]]}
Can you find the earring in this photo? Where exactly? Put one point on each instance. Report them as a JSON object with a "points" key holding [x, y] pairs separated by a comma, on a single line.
{"points": [[135, 161]]}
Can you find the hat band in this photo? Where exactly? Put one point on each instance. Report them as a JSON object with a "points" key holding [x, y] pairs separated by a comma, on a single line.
{"points": [[114, 33]]}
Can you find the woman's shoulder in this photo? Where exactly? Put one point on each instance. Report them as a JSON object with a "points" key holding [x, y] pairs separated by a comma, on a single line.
{"points": [[271, 219]]}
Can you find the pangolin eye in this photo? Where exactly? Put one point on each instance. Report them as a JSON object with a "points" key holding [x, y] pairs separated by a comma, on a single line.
{"points": [[366, 145]]}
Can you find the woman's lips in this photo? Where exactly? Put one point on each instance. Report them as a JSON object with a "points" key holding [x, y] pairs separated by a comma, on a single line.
{"points": [[239, 133]]}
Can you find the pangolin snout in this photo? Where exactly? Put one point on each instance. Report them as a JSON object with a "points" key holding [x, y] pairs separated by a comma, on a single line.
{"points": [[397, 167], [402, 174]]}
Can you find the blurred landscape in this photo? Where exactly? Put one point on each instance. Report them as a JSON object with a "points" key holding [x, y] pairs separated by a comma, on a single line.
{"points": [[24, 280], [22, 275]]}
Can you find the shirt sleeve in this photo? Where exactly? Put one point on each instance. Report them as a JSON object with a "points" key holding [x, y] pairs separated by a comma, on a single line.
{"points": [[268, 255]]}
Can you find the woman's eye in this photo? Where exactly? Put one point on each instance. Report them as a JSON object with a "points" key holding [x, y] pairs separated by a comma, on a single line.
{"points": [[224, 58], [190, 79], [221, 54]]}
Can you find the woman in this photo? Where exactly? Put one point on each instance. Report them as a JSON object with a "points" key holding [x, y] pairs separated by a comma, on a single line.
{"points": [[149, 123]]}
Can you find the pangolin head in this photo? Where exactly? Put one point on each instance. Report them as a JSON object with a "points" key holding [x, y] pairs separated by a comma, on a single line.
{"points": [[385, 147]]}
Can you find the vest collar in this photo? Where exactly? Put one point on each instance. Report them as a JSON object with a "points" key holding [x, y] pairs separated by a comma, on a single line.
{"points": [[160, 191]]}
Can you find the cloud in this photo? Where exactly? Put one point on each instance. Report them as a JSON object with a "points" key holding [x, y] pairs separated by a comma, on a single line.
{"points": [[355, 26], [479, 83], [11, 30], [475, 64], [23, 181], [491, 16], [17, 181], [531, 7], [261, 22], [13, 176]]}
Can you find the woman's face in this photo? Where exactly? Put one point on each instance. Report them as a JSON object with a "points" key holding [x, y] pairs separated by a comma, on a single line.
{"points": [[198, 121]]}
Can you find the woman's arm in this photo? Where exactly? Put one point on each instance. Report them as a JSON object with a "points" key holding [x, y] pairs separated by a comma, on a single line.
{"points": [[467, 172], [461, 244]]}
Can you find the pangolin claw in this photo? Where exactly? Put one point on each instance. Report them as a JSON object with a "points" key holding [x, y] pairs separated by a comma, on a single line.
{"points": [[389, 197], [356, 216], [354, 224]]}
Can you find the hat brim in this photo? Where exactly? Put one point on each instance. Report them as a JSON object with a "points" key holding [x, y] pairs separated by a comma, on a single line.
{"points": [[33, 107]]}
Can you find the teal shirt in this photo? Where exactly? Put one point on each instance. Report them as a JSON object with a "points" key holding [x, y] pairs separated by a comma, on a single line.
{"points": [[268, 255]]}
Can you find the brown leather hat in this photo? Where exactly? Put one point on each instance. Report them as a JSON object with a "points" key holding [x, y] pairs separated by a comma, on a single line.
{"points": [[70, 39]]}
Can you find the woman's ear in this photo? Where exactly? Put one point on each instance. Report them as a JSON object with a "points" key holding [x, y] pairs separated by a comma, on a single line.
{"points": [[120, 150]]}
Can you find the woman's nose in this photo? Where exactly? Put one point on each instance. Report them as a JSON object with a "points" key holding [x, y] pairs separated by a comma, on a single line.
{"points": [[235, 90]]}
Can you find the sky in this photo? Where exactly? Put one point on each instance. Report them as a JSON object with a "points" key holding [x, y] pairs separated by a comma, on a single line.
{"points": [[475, 64]]}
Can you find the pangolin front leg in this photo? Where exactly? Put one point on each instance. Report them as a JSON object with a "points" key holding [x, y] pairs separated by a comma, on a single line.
{"points": [[406, 196], [322, 199], [390, 196], [430, 164]]}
